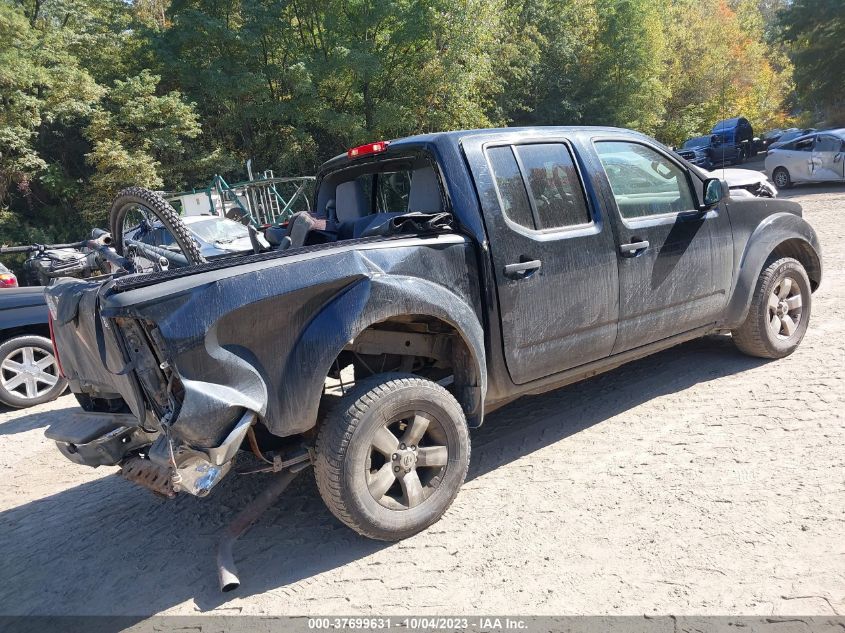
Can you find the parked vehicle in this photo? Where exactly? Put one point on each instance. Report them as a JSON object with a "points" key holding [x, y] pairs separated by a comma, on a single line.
{"points": [[441, 277], [8, 279], [790, 135], [746, 183], [734, 140], [697, 151], [818, 157], [29, 373], [215, 236]]}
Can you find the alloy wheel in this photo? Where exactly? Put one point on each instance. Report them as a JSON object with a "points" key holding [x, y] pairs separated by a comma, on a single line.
{"points": [[29, 372], [407, 459], [784, 308]]}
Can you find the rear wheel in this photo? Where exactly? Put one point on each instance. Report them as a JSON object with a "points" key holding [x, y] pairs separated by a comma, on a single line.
{"points": [[29, 373], [391, 455], [779, 312], [781, 178]]}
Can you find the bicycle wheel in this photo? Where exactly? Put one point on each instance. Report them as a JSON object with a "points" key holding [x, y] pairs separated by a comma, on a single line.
{"points": [[135, 206]]}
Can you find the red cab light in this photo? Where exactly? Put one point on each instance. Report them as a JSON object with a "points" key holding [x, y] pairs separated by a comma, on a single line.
{"points": [[8, 280], [369, 148]]}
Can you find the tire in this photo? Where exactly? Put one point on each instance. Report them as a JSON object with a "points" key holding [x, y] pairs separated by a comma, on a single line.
{"points": [[29, 373], [781, 178], [138, 196], [782, 297], [390, 410]]}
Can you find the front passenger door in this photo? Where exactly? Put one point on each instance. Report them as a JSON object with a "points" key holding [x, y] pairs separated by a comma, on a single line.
{"points": [[674, 260]]}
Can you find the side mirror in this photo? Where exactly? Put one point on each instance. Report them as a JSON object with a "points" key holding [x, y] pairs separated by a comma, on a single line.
{"points": [[713, 192]]}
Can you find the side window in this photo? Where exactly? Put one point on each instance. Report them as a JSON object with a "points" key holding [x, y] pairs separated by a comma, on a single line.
{"points": [[644, 182], [511, 188], [805, 145], [541, 189], [827, 144], [553, 185]]}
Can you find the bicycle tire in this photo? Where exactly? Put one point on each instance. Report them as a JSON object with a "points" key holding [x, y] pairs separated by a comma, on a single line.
{"points": [[161, 209]]}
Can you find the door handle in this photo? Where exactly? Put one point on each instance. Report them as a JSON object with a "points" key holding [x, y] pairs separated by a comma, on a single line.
{"points": [[632, 247], [522, 267]]}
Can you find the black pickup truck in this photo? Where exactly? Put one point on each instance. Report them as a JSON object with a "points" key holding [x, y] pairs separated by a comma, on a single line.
{"points": [[439, 277]]}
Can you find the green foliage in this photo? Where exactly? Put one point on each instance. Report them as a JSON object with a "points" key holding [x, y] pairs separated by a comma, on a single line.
{"points": [[96, 95], [138, 138], [815, 33]]}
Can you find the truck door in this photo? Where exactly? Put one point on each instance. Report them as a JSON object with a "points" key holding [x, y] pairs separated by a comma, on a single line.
{"points": [[552, 251], [675, 262]]}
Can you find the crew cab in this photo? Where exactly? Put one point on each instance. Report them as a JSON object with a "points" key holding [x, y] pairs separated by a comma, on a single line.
{"points": [[439, 277]]}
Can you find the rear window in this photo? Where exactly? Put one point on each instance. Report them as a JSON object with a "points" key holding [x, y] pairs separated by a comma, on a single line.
{"points": [[539, 186], [387, 191]]}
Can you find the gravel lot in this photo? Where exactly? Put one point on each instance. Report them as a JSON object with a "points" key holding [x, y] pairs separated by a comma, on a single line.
{"points": [[697, 481]]}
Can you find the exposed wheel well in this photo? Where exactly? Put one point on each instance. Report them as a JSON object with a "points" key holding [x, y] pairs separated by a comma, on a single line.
{"points": [[416, 344], [804, 253], [36, 329]]}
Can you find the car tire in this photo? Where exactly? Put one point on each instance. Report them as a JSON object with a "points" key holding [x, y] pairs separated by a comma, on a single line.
{"points": [[29, 372], [370, 449], [781, 178], [780, 311]]}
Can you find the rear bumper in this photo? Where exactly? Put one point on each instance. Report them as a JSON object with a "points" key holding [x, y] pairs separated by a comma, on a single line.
{"points": [[98, 439]]}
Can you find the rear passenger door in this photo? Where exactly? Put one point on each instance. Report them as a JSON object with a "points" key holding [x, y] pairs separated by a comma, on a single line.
{"points": [[553, 255], [674, 260]]}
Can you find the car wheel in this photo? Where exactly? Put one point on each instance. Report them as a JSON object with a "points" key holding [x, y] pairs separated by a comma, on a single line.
{"points": [[781, 178], [391, 455], [779, 312], [29, 373]]}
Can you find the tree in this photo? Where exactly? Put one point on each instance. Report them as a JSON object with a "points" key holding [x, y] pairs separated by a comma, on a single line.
{"points": [[138, 138], [815, 33]]}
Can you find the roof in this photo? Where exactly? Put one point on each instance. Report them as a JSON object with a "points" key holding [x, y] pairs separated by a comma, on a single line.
{"points": [[727, 124], [455, 137]]}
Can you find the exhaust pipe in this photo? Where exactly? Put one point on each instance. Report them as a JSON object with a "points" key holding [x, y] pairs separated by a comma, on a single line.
{"points": [[227, 571]]}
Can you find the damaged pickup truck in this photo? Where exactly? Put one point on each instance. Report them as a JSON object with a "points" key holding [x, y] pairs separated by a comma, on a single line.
{"points": [[438, 277]]}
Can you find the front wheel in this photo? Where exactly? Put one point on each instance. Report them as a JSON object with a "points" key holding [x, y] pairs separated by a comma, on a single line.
{"points": [[391, 455], [779, 312], [29, 373], [781, 178]]}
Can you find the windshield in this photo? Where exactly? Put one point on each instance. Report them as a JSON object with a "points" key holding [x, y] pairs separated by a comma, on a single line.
{"points": [[790, 135], [698, 141], [218, 230]]}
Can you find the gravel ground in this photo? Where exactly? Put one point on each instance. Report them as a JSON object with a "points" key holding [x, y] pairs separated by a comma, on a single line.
{"points": [[696, 481]]}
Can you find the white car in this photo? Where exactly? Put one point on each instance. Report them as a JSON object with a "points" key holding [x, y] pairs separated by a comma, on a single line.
{"points": [[816, 157], [745, 183]]}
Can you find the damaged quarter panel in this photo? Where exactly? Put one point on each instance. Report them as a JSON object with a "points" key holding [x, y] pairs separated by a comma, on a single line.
{"points": [[262, 336]]}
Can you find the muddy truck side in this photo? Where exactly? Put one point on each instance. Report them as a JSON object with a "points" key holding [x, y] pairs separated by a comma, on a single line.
{"points": [[438, 277]]}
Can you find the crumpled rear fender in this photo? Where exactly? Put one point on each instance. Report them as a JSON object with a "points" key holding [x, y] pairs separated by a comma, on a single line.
{"points": [[263, 335], [368, 301]]}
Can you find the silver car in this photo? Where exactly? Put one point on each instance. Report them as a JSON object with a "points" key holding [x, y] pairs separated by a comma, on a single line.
{"points": [[816, 157]]}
